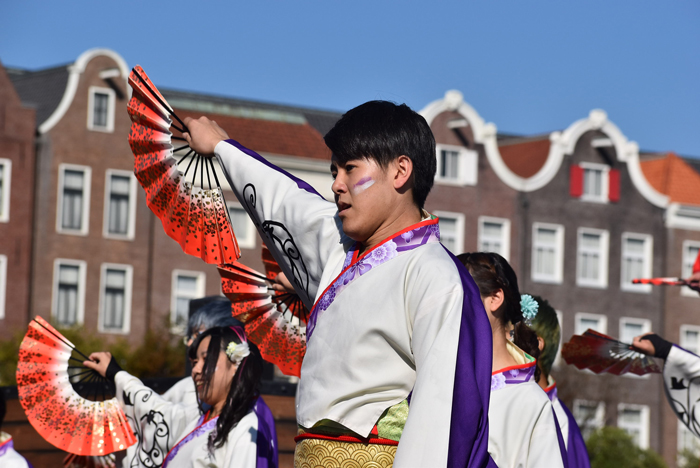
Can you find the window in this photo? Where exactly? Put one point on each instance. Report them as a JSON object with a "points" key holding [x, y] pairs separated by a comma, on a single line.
{"points": [[5, 176], [687, 441], [69, 292], [690, 338], [456, 165], [590, 415], [547, 253], [451, 230], [592, 258], [115, 298], [690, 253], [631, 327], [637, 252], [186, 285], [494, 235], [634, 419], [73, 199], [3, 284], [595, 182], [243, 227], [120, 208], [101, 109], [595, 322]]}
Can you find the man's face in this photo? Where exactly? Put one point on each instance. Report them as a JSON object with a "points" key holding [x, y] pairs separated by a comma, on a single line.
{"points": [[363, 194]]}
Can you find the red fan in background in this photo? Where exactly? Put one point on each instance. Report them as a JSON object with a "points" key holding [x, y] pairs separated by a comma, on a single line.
{"points": [[196, 218], [89, 461], [670, 281], [602, 353], [45, 383], [274, 320]]}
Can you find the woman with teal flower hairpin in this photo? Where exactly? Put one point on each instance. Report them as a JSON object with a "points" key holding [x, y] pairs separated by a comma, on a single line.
{"points": [[522, 428]]}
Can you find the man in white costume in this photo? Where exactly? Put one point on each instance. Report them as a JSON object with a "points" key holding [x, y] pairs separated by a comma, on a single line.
{"points": [[398, 355]]}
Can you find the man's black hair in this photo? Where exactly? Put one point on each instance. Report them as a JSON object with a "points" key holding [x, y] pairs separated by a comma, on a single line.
{"points": [[383, 131]]}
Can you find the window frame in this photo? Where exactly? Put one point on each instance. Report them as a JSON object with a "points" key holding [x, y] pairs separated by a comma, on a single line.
{"points": [[3, 285], [682, 341], [605, 183], [128, 291], [586, 315], [459, 218], [505, 233], [644, 432], [603, 266], [87, 182], [111, 104], [82, 277], [131, 228], [558, 276], [598, 420], [467, 170], [647, 259], [249, 242], [685, 290], [201, 291], [6, 192]]}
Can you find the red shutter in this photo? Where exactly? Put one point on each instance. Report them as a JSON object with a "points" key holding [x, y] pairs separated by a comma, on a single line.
{"points": [[576, 182], [614, 187]]}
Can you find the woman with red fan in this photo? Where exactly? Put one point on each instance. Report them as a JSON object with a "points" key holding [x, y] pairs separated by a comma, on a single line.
{"points": [[233, 432], [522, 427], [681, 377]]}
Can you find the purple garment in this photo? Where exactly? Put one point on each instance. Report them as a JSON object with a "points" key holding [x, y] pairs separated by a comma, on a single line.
{"points": [[576, 451], [267, 436], [469, 425], [300, 183], [560, 439]]}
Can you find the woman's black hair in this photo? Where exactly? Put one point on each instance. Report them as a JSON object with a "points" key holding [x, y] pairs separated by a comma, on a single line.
{"points": [[491, 273], [383, 131], [245, 386]]}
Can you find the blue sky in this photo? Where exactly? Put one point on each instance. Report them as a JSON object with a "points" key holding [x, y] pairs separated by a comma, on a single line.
{"points": [[528, 66]]}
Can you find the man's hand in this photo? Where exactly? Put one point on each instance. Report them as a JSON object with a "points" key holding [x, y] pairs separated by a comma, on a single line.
{"points": [[643, 346], [282, 284], [694, 282], [99, 362], [203, 135]]}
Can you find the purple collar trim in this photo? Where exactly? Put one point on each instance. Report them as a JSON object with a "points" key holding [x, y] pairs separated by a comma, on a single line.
{"points": [[551, 392], [5, 446], [202, 428], [426, 232], [513, 376]]}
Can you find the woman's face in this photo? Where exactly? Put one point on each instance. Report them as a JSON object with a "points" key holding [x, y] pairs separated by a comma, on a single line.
{"points": [[220, 381]]}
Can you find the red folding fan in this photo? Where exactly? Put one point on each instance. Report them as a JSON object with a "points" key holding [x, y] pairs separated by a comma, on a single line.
{"points": [[275, 321], [195, 217], [84, 423], [601, 353], [669, 281]]}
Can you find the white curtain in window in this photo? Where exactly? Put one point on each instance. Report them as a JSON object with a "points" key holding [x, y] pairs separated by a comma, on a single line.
{"points": [[239, 222], [115, 286], [632, 259], [492, 237], [589, 256], [72, 199], [449, 167], [119, 204], [448, 233], [186, 290], [67, 305], [545, 251]]}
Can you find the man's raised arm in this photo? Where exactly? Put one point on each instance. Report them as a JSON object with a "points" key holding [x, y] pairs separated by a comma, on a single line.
{"points": [[298, 225]]}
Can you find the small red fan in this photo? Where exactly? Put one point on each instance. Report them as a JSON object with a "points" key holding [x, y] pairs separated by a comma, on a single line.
{"points": [[48, 386], [275, 321], [670, 281], [601, 353], [194, 217]]}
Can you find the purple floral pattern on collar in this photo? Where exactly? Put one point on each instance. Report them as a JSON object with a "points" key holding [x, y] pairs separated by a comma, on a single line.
{"points": [[382, 253], [513, 376], [7, 445], [198, 431]]}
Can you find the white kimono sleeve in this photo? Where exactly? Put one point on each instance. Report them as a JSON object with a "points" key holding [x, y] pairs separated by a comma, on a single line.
{"points": [[298, 225], [544, 447], [682, 385], [157, 423]]}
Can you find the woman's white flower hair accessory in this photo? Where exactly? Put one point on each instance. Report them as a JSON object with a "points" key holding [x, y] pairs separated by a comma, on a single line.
{"points": [[236, 352], [529, 307]]}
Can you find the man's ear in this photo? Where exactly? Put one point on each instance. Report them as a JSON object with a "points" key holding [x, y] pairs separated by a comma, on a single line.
{"points": [[540, 344], [403, 171]]}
